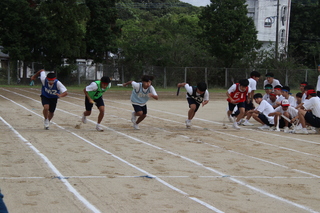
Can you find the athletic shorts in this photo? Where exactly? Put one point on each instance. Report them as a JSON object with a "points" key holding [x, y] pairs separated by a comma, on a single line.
{"points": [[138, 108], [99, 102], [192, 101], [264, 119], [248, 106], [311, 119], [52, 102], [318, 94], [232, 106]]}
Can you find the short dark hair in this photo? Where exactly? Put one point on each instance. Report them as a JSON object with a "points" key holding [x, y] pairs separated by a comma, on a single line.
{"points": [[51, 75], [270, 74], [257, 95], [308, 87], [278, 86], [268, 86], [244, 82], [105, 79], [255, 74], [299, 95], [202, 86], [147, 78], [286, 88]]}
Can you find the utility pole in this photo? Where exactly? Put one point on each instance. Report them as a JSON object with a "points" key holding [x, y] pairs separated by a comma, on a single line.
{"points": [[277, 33]]}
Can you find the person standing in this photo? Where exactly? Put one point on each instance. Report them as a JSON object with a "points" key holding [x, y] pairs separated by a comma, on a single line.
{"points": [[51, 90], [271, 80], [140, 95], [318, 82], [196, 95], [93, 93]]}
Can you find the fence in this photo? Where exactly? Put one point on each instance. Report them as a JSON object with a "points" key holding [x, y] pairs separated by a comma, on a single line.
{"points": [[170, 76]]}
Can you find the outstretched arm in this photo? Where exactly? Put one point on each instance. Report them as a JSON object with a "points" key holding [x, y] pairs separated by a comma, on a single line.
{"points": [[34, 77], [125, 84], [181, 84]]}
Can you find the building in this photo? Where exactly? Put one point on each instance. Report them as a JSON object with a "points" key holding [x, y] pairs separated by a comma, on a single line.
{"points": [[273, 32]]}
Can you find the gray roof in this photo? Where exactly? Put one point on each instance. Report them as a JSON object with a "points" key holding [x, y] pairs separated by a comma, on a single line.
{"points": [[3, 55]]}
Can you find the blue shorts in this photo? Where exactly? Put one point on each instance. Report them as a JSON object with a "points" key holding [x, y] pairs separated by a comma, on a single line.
{"points": [[99, 102], [52, 102], [138, 108], [311, 119], [192, 101]]}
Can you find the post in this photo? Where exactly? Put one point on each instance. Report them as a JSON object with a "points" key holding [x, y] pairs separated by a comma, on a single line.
{"points": [[206, 75], [226, 78], [277, 32], [185, 74], [165, 78]]}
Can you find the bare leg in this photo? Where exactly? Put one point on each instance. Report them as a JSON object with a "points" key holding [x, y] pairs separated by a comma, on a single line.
{"points": [[141, 116], [101, 114]]}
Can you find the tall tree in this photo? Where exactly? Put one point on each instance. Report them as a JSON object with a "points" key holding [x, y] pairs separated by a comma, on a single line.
{"points": [[228, 31], [102, 30]]}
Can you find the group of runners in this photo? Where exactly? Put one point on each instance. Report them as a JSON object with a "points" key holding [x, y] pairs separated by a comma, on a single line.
{"points": [[276, 109]]}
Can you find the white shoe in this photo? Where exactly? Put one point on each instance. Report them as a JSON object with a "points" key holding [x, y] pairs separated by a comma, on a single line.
{"points": [[99, 128], [231, 119], [235, 125], [286, 129], [265, 126], [188, 123], [46, 123], [247, 123], [136, 126], [133, 117], [301, 131], [84, 119]]}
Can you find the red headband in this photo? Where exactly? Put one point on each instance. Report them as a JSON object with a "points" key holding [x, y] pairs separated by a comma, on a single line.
{"points": [[51, 79], [303, 85], [277, 88], [310, 91], [272, 94]]}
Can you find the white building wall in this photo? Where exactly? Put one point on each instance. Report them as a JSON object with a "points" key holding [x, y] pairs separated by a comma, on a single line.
{"points": [[264, 14]]}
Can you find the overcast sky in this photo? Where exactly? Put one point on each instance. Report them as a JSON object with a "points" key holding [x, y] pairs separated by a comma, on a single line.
{"points": [[197, 2]]}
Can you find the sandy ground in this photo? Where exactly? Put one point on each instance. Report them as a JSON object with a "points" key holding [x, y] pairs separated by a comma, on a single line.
{"points": [[163, 167]]}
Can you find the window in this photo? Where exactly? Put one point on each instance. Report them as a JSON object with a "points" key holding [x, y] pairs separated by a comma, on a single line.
{"points": [[268, 22]]}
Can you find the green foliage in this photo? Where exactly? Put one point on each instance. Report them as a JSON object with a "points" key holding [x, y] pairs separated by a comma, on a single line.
{"points": [[304, 37], [227, 30], [102, 30]]}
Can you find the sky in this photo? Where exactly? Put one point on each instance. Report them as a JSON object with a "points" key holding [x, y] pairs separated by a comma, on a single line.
{"points": [[197, 2]]}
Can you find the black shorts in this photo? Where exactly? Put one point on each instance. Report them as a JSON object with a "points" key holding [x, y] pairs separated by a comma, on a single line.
{"points": [[192, 101], [249, 106], [312, 119], [52, 102], [264, 119], [232, 106], [318, 94], [138, 108], [99, 102]]}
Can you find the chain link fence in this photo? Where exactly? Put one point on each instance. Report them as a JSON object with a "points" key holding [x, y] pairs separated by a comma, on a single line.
{"points": [[169, 76]]}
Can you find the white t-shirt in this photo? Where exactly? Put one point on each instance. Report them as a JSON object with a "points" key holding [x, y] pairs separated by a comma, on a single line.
{"points": [[60, 86], [252, 84], [293, 112], [265, 108], [190, 91], [318, 84], [313, 104], [93, 86], [275, 82]]}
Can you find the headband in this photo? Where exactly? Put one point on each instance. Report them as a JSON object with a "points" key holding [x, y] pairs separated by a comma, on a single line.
{"points": [[303, 85], [268, 88], [285, 90], [272, 94], [311, 91], [51, 79], [277, 88]]}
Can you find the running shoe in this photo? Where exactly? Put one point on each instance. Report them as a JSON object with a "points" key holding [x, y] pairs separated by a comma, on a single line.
{"points": [[46, 123], [133, 117], [99, 128]]}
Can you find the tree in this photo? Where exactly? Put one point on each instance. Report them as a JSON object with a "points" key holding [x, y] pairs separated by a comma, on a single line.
{"points": [[227, 30], [102, 30]]}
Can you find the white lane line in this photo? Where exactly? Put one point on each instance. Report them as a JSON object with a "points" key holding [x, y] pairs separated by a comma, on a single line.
{"points": [[53, 168], [208, 168], [120, 159], [159, 176]]}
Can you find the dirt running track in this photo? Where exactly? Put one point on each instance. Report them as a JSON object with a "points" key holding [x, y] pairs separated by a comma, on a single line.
{"points": [[163, 167]]}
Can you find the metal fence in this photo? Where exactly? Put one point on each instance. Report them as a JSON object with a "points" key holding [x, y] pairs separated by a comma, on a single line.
{"points": [[169, 76]]}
